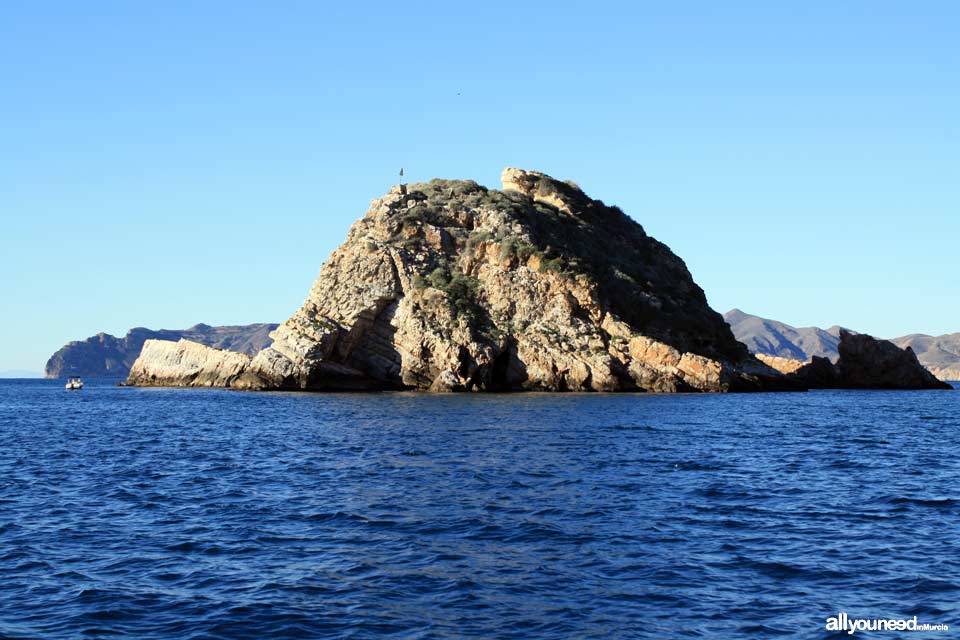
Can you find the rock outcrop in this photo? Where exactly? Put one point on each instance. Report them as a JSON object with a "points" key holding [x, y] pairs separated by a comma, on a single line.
{"points": [[867, 363], [783, 365], [189, 364], [104, 355], [450, 286]]}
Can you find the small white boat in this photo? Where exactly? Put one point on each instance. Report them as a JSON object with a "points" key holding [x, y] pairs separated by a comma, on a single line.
{"points": [[74, 383]]}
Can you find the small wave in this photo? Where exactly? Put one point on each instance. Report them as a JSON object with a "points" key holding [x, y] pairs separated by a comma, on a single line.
{"points": [[168, 576], [548, 512], [765, 630], [694, 465], [865, 440], [722, 491], [776, 569], [930, 585], [786, 571], [933, 503], [632, 427], [336, 516], [197, 547], [93, 595], [32, 564]]}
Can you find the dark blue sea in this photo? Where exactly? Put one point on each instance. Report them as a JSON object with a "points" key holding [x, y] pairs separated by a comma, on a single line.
{"points": [[188, 514]]}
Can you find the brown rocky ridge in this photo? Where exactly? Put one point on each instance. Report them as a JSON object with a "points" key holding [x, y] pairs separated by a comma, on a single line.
{"points": [[450, 286]]}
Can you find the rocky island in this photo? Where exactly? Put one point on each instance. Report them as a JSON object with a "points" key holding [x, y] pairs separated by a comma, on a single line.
{"points": [[448, 286], [451, 286]]}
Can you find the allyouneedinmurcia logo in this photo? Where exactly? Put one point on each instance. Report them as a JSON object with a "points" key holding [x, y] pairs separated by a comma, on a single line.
{"points": [[843, 622]]}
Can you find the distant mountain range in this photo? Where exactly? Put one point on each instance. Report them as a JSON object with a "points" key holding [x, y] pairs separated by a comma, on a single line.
{"points": [[939, 354], [104, 355]]}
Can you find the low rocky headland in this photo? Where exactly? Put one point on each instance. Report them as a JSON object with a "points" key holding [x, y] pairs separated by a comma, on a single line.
{"points": [[450, 286]]}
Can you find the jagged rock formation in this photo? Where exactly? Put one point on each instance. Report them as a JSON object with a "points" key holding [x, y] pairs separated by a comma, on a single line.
{"points": [[819, 373], [104, 355], [868, 363], [452, 286], [939, 354]]}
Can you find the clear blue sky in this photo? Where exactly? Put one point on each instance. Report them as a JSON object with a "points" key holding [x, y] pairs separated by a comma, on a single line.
{"points": [[163, 164]]}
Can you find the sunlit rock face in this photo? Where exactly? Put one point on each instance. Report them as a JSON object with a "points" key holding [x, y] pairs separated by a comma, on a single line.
{"points": [[187, 364]]}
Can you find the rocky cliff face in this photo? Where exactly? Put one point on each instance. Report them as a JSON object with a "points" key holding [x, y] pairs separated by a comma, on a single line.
{"points": [[867, 363], [451, 286], [104, 355]]}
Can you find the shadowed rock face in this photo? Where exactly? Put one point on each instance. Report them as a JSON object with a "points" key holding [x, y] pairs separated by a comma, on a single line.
{"points": [[868, 363], [104, 355], [452, 286]]}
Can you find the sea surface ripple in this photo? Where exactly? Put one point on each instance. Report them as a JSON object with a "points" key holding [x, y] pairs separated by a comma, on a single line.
{"points": [[188, 514]]}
